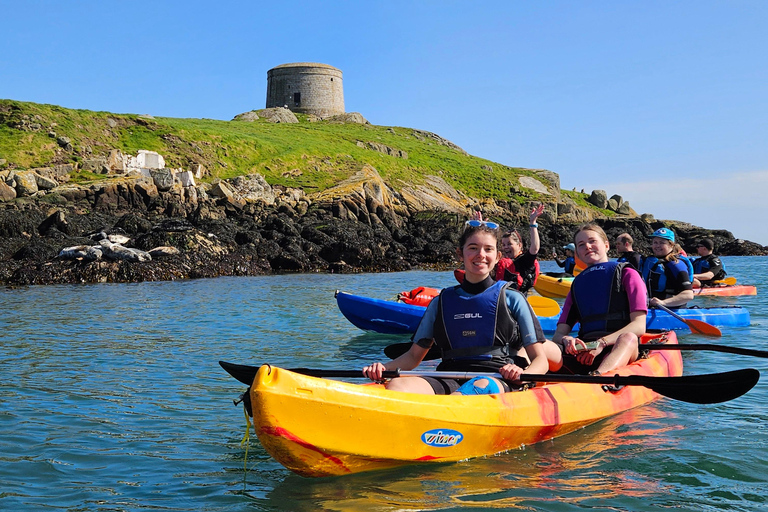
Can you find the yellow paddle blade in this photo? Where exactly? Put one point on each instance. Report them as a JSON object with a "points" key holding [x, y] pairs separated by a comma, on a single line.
{"points": [[730, 281], [543, 306]]}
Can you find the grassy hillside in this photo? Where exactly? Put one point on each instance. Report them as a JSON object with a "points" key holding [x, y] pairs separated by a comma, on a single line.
{"points": [[308, 155]]}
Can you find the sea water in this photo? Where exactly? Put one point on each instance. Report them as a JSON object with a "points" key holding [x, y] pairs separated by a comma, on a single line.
{"points": [[112, 399]]}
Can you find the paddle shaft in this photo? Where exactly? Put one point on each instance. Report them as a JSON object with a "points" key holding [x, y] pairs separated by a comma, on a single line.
{"points": [[714, 348]]}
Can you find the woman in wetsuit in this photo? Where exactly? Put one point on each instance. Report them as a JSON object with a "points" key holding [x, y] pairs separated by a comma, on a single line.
{"points": [[480, 325]]}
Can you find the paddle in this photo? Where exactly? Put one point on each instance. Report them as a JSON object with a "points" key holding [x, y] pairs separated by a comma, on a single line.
{"points": [[397, 349], [714, 348], [698, 389], [543, 306], [728, 281], [696, 326]]}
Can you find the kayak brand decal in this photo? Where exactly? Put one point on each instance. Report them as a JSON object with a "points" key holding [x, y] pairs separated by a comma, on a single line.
{"points": [[441, 438]]}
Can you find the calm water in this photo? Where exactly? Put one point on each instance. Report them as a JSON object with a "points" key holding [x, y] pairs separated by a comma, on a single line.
{"points": [[111, 398]]}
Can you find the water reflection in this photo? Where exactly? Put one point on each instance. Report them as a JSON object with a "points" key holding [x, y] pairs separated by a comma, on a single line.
{"points": [[586, 465]]}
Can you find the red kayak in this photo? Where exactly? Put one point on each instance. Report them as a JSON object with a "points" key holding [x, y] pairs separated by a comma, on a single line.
{"points": [[726, 291]]}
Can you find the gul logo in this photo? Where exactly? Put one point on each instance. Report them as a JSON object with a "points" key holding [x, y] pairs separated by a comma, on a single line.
{"points": [[441, 438], [467, 334], [466, 316]]}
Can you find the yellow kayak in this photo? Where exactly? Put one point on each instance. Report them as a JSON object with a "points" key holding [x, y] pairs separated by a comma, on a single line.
{"points": [[553, 287], [320, 427]]}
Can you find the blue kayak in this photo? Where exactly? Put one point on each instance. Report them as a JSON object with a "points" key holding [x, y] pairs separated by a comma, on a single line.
{"points": [[389, 317]]}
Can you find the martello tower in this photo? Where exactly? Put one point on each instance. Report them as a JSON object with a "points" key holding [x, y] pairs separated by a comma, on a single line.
{"points": [[306, 88]]}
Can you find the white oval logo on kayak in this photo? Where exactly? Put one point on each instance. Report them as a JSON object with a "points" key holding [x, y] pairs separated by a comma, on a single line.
{"points": [[441, 438]]}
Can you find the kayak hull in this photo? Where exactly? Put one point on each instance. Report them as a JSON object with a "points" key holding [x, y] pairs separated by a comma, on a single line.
{"points": [[319, 427], [389, 317], [553, 287], [736, 290], [729, 316]]}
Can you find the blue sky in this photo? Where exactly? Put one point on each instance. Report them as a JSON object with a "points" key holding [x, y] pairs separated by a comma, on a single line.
{"points": [[662, 102]]}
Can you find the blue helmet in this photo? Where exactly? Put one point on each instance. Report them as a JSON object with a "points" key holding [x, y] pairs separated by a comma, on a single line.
{"points": [[664, 233]]}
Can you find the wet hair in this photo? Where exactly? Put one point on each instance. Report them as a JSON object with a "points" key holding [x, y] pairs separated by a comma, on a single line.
{"points": [[590, 226], [471, 230], [625, 238]]}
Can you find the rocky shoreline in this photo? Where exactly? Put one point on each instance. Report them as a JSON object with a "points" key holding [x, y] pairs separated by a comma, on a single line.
{"points": [[244, 227]]}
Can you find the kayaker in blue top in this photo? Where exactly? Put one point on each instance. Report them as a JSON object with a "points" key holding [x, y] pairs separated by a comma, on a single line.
{"points": [[569, 263], [480, 325], [707, 267], [608, 300], [624, 243], [667, 273]]}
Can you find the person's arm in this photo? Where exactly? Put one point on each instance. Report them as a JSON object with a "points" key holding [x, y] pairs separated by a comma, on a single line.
{"points": [[535, 242], [679, 299], [407, 361], [685, 293], [559, 263], [706, 276]]}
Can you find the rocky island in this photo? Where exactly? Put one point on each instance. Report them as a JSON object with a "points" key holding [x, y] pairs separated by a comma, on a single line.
{"points": [[89, 197]]}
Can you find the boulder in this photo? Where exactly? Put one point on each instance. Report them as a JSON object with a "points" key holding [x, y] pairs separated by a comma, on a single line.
{"points": [[163, 179], [598, 198], [253, 188], [247, 116], [277, 115], [624, 209], [7, 193], [349, 117], [26, 184], [44, 183]]}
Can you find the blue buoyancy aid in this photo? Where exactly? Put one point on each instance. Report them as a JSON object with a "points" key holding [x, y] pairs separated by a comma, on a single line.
{"points": [[477, 327], [660, 276], [569, 264], [705, 264], [602, 303]]}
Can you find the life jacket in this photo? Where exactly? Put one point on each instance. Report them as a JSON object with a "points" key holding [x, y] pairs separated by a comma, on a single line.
{"points": [[601, 299], [420, 296], [477, 327], [656, 271], [505, 270], [569, 264], [704, 264]]}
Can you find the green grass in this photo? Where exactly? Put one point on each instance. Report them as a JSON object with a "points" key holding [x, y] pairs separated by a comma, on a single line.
{"points": [[312, 156]]}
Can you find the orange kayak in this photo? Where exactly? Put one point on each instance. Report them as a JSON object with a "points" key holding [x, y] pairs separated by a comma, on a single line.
{"points": [[321, 427], [735, 290]]}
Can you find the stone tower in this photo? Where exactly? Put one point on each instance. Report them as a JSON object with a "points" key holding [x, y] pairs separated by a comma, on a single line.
{"points": [[306, 88]]}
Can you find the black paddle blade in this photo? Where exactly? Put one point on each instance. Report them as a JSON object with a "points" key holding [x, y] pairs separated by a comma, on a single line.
{"points": [[397, 349], [243, 373], [702, 389]]}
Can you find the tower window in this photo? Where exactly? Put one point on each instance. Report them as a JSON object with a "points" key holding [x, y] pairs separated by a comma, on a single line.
{"points": [[297, 99]]}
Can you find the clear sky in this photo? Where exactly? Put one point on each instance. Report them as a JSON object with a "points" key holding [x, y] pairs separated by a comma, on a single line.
{"points": [[662, 102]]}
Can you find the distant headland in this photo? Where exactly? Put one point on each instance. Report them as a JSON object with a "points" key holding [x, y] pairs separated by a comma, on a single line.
{"points": [[102, 197]]}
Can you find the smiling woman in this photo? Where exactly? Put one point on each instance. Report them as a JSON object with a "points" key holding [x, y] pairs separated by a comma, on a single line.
{"points": [[612, 321], [458, 321]]}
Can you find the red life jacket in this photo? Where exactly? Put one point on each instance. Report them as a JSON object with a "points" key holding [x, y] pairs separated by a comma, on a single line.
{"points": [[420, 296], [505, 270]]}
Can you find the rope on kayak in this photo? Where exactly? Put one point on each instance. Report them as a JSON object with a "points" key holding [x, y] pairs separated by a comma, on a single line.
{"points": [[246, 439]]}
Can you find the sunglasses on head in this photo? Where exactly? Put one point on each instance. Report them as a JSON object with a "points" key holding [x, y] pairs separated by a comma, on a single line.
{"points": [[477, 223]]}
